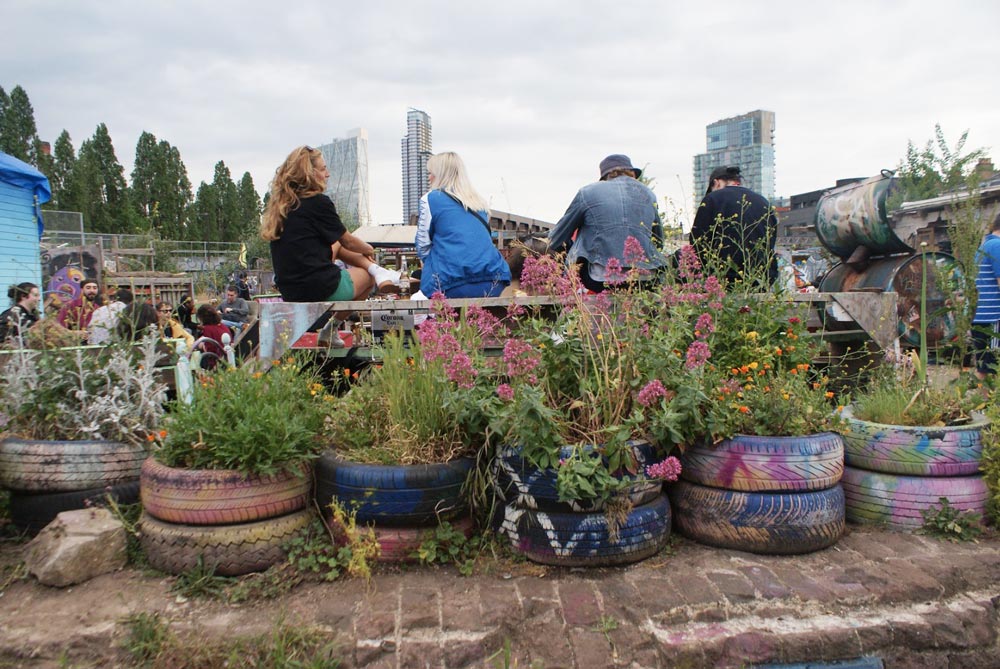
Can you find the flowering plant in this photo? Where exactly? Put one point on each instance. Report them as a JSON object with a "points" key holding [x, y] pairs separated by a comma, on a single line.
{"points": [[249, 420]]}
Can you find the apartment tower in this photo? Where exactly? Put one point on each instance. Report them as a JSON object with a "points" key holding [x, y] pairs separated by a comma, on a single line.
{"points": [[347, 160], [416, 149], [747, 141]]}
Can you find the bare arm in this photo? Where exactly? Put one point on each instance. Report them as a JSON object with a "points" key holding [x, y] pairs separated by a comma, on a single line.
{"points": [[352, 243]]}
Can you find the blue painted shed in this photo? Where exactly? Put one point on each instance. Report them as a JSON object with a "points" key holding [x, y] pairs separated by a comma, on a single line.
{"points": [[23, 190]]}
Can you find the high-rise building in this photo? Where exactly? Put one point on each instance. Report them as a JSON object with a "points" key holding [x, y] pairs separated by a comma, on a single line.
{"points": [[416, 149], [347, 160], [747, 141]]}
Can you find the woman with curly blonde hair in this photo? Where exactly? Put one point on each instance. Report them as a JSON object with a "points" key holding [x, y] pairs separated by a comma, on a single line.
{"points": [[307, 236]]}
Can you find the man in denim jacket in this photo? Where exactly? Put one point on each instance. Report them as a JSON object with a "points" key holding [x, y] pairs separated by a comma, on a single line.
{"points": [[603, 215]]}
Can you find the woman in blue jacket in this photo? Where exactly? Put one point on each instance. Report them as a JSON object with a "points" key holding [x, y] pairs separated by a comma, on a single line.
{"points": [[453, 235]]}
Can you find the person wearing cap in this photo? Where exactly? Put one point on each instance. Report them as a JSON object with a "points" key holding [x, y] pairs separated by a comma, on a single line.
{"points": [[603, 215], [735, 229]]}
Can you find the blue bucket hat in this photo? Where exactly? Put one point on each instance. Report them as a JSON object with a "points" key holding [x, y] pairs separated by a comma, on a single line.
{"points": [[616, 161]]}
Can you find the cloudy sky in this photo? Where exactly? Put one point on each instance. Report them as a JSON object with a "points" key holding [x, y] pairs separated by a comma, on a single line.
{"points": [[531, 94]]}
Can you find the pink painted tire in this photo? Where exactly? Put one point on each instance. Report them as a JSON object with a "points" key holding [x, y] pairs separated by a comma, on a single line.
{"points": [[398, 544], [748, 463], [913, 451], [220, 496], [897, 501]]}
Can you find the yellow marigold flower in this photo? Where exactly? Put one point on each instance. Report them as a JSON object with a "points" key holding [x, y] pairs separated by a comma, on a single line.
{"points": [[751, 335], [257, 375], [541, 345], [840, 408], [785, 396], [753, 365]]}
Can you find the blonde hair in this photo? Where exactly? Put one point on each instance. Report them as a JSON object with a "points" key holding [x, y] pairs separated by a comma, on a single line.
{"points": [[294, 179], [449, 170]]}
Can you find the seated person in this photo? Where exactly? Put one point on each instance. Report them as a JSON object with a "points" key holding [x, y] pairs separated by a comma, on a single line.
{"points": [[104, 320], [184, 314], [234, 309], [212, 330], [23, 313], [170, 328], [135, 321]]}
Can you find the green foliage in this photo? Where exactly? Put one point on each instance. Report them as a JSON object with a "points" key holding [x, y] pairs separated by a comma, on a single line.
{"points": [[128, 515], [201, 582], [990, 465], [160, 190], [447, 545], [147, 634], [252, 421], [18, 133], [935, 169], [99, 182], [947, 522], [113, 393], [330, 551]]}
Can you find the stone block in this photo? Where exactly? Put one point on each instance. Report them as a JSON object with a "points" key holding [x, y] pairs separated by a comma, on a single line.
{"points": [[419, 609], [734, 586], [580, 606], [76, 547], [765, 582]]}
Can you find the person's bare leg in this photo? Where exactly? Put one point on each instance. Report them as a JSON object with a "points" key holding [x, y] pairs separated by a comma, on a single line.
{"points": [[386, 279]]}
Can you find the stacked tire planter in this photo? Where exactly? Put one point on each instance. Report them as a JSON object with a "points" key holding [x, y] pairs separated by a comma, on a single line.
{"points": [[894, 473], [403, 504], [575, 534], [769, 495], [46, 478], [233, 522]]}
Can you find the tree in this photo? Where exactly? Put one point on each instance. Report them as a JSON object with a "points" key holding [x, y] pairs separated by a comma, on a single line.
{"points": [[19, 134], [249, 207], [61, 179], [100, 184]]}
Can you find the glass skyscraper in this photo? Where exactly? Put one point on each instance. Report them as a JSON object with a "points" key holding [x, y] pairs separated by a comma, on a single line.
{"points": [[416, 149], [347, 160], [747, 141]]}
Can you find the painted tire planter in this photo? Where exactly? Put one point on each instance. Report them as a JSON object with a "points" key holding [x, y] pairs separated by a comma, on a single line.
{"points": [[913, 451], [897, 501], [583, 539], [394, 495], [767, 464], [220, 497], [33, 512], [398, 544], [67, 466], [769, 523], [232, 549], [520, 483]]}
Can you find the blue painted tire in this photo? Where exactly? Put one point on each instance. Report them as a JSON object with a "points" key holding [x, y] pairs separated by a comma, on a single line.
{"points": [[394, 495], [766, 523], [913, 450], [897, 501], [767, 464], [583, 539], [520, 483]]}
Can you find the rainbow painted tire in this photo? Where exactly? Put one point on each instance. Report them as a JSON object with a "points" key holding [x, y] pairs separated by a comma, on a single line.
{"points": [[67, 466], [897, 501], [913, 451], [584, 539], [399, 544], [394, 495], [783, 523], [220, 496], [232, 550], [518, 482], [767, 464]]}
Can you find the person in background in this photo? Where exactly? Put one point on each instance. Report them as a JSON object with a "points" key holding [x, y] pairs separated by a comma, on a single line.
{"points": [[453, 237], [135, 321], [212, 331], [22, 314], [185, 314], [986, 321], [234, 309], [242, 286], [76, 315], [603, 216], [104, 320], [735, 230], [170, 328]]}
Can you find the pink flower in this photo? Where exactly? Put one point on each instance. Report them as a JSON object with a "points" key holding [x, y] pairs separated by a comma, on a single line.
{"points": [[698, 354], [505, 392], [651, 392], [614, 273], [667, 470], [520, 358], [689, 265], [634, 254], [485, 323], [461, 372], [704, 326]]}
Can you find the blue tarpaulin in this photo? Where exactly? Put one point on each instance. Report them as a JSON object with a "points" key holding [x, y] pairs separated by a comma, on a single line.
{"points": [[19, 173]]}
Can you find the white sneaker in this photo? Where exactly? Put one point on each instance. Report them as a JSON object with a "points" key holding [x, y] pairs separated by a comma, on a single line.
{"points": [[329, 336], [386, 280]]}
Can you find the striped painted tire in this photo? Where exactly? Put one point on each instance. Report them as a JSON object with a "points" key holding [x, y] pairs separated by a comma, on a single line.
{"points": [[67, 466], [219, 496], [767, 523], [518, 482], [32, 512], [394, 495], [896, 501], [583, 539], [231, 549], [767, 464], [398, 544], [913, 451]]}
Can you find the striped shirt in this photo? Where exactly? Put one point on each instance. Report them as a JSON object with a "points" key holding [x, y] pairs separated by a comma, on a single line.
{"points": [[988, 263]]}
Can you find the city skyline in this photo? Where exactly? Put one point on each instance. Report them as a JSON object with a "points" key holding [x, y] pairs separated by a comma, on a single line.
{"points": [[416, 147], [347, 161], [745, 141]]}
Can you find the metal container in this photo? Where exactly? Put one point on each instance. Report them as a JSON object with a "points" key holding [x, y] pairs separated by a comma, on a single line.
{"points": [[902, 275], [855, 216]]}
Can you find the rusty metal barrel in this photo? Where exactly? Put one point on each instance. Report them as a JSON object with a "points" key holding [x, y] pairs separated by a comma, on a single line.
{"points": [[855, 215], [903, 274]]}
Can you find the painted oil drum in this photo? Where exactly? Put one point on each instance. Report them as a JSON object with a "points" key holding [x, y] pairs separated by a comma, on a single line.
{"points": [[904, 276], [762, 463], [913, 450], [898, 501], [855, 215]]}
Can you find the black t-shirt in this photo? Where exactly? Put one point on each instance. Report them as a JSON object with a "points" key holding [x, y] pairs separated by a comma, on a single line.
{"points": [[303, 267]]}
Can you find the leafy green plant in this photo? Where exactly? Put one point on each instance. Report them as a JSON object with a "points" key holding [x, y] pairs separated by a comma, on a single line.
{"points": [[947, 522], [330, 551], [128, 515], [248, 420], [147, 634], [112, 393], [447, 545], [201, 582]]}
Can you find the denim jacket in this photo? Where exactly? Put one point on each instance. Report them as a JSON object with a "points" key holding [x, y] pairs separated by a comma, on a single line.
{"points": [[606, 213]]}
